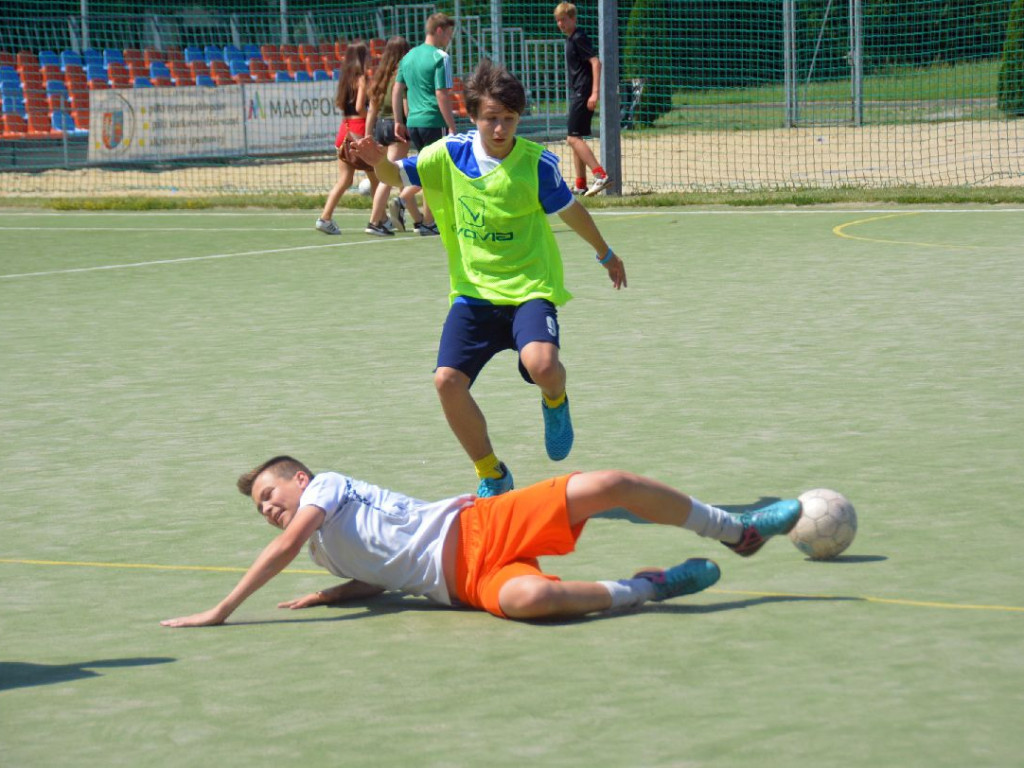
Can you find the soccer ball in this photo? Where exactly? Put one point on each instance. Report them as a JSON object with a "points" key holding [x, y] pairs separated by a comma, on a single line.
{"points": [[826, 526], [365, 187]]}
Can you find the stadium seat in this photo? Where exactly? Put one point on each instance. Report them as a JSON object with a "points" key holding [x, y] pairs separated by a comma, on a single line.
{"points": [[8, 59], [149, 55], [320, 74], [93, 58], [12, 104], [259, 71], [251, 51], [269, 51], [119, 75], [199, 68], [51, 72], [238, 67], [49, 59], [213, 53], [74, 75], [26, 60], [283, 76], [232, 52], [133, 56], [81, 118], [98, 85], [15, 126], [173, 53], [40, 124], [288, 49], [159, 70], [113, 55], [96, 72], [10, 75], [62, 122], [79, 97], [205, 81], [307, 49], [302, 76], [295, 65], [70, 57], [194, 53], [143, 82]]}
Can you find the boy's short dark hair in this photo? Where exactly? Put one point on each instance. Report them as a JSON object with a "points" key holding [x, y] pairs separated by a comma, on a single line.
{"points": [[283, 466], [494, 81]]}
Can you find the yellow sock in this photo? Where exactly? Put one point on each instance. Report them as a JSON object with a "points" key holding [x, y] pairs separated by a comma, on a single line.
{"points": [[556, 402], [488, 466]]}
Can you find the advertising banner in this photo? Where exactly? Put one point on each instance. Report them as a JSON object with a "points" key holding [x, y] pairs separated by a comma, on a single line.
{"points": [[153, 124]]}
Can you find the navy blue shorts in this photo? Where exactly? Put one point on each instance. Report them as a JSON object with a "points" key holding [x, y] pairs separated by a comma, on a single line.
{"points": [[474, 332]]}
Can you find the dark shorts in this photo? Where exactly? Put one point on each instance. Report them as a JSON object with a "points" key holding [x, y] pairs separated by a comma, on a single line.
{"points": [[421, 137], [384, 131], [579, 117], [474, 333]]}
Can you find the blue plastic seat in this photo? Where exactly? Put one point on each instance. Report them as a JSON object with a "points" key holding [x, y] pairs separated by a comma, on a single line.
{"points": [[48, 59], [113, 56], [93, 58], [320, 74], [95, 72], [193, 53], [205, 81], [252, 51], [239, 67], [70, 57], [143, 82], [159, 69], [283, 77], [213, 53], [56, 86], [302, 76], [61, 120], [9, 77]]}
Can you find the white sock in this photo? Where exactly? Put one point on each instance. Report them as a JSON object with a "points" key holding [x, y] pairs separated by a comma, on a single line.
{"points": [[628, 593], [713, 523]]}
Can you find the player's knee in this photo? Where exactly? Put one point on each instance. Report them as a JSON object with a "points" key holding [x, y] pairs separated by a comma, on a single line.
{"points": [[528, 598], [617, 485], [449, 381]]}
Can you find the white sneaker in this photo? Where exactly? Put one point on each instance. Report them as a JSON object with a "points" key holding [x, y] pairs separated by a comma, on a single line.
{"points": [[328, 227], [397, 210], [599, 183]]}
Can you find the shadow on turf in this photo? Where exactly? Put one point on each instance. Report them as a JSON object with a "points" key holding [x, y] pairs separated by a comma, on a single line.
{"points": [[18, 674], [683, 609]]}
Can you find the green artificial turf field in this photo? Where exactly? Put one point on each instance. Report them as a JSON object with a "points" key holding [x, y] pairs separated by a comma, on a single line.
{"points": [[147, 359]]}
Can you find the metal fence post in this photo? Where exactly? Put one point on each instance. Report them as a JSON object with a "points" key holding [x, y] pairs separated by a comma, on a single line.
{"points": [[610, 120]]}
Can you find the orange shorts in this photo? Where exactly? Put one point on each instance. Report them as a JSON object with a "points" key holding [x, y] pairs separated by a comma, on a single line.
{"points": [[501, 537]]}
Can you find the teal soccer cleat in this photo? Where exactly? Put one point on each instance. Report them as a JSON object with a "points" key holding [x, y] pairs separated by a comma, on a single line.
{"points": [[558, 433], [695, 575], [495, 486], [760, 525]]}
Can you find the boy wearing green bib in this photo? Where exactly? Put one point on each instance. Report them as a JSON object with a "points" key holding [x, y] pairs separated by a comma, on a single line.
{"points": [[491, 194]]}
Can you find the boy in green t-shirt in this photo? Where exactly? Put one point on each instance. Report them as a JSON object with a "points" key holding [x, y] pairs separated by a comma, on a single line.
{"points": [[491, 193]]}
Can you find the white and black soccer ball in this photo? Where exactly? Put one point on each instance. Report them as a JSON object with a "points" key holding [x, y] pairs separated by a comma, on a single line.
{"points": [[827, 524]]}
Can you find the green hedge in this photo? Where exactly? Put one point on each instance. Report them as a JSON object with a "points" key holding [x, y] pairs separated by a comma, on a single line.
{"points": [[1011, 69]]}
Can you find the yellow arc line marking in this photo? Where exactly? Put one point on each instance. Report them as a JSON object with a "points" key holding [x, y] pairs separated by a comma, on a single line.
{"points": [[227, 569], [840, 231]]}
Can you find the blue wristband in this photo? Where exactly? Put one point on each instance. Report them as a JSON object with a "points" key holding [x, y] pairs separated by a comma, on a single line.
{"points": [[607, 257]]}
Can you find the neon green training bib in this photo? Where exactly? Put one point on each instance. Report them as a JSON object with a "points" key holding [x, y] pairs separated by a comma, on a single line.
{"points": [[500, 245]]}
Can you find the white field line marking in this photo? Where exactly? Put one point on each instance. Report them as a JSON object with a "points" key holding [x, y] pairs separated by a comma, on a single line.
{"points": [[188, 259]]}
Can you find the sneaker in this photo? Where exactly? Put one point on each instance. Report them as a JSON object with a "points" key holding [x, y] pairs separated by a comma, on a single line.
{"points": [[378, 229], [577, 191], [328, 227], [426, 230], [558, 434], [761, 524], [495, 486], [695, 575], [599, 183], [397, 210], [389, 225]]}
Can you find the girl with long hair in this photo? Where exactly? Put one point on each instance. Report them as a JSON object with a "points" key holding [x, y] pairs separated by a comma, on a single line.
{"points": [[351, 99], [380, 123]]}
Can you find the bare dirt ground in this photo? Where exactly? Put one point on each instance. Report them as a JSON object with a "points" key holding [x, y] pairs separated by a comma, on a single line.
{"points": [[966, 153]]}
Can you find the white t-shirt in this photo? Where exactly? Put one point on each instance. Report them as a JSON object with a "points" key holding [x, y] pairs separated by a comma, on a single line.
{"points": [[381, 537]]}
